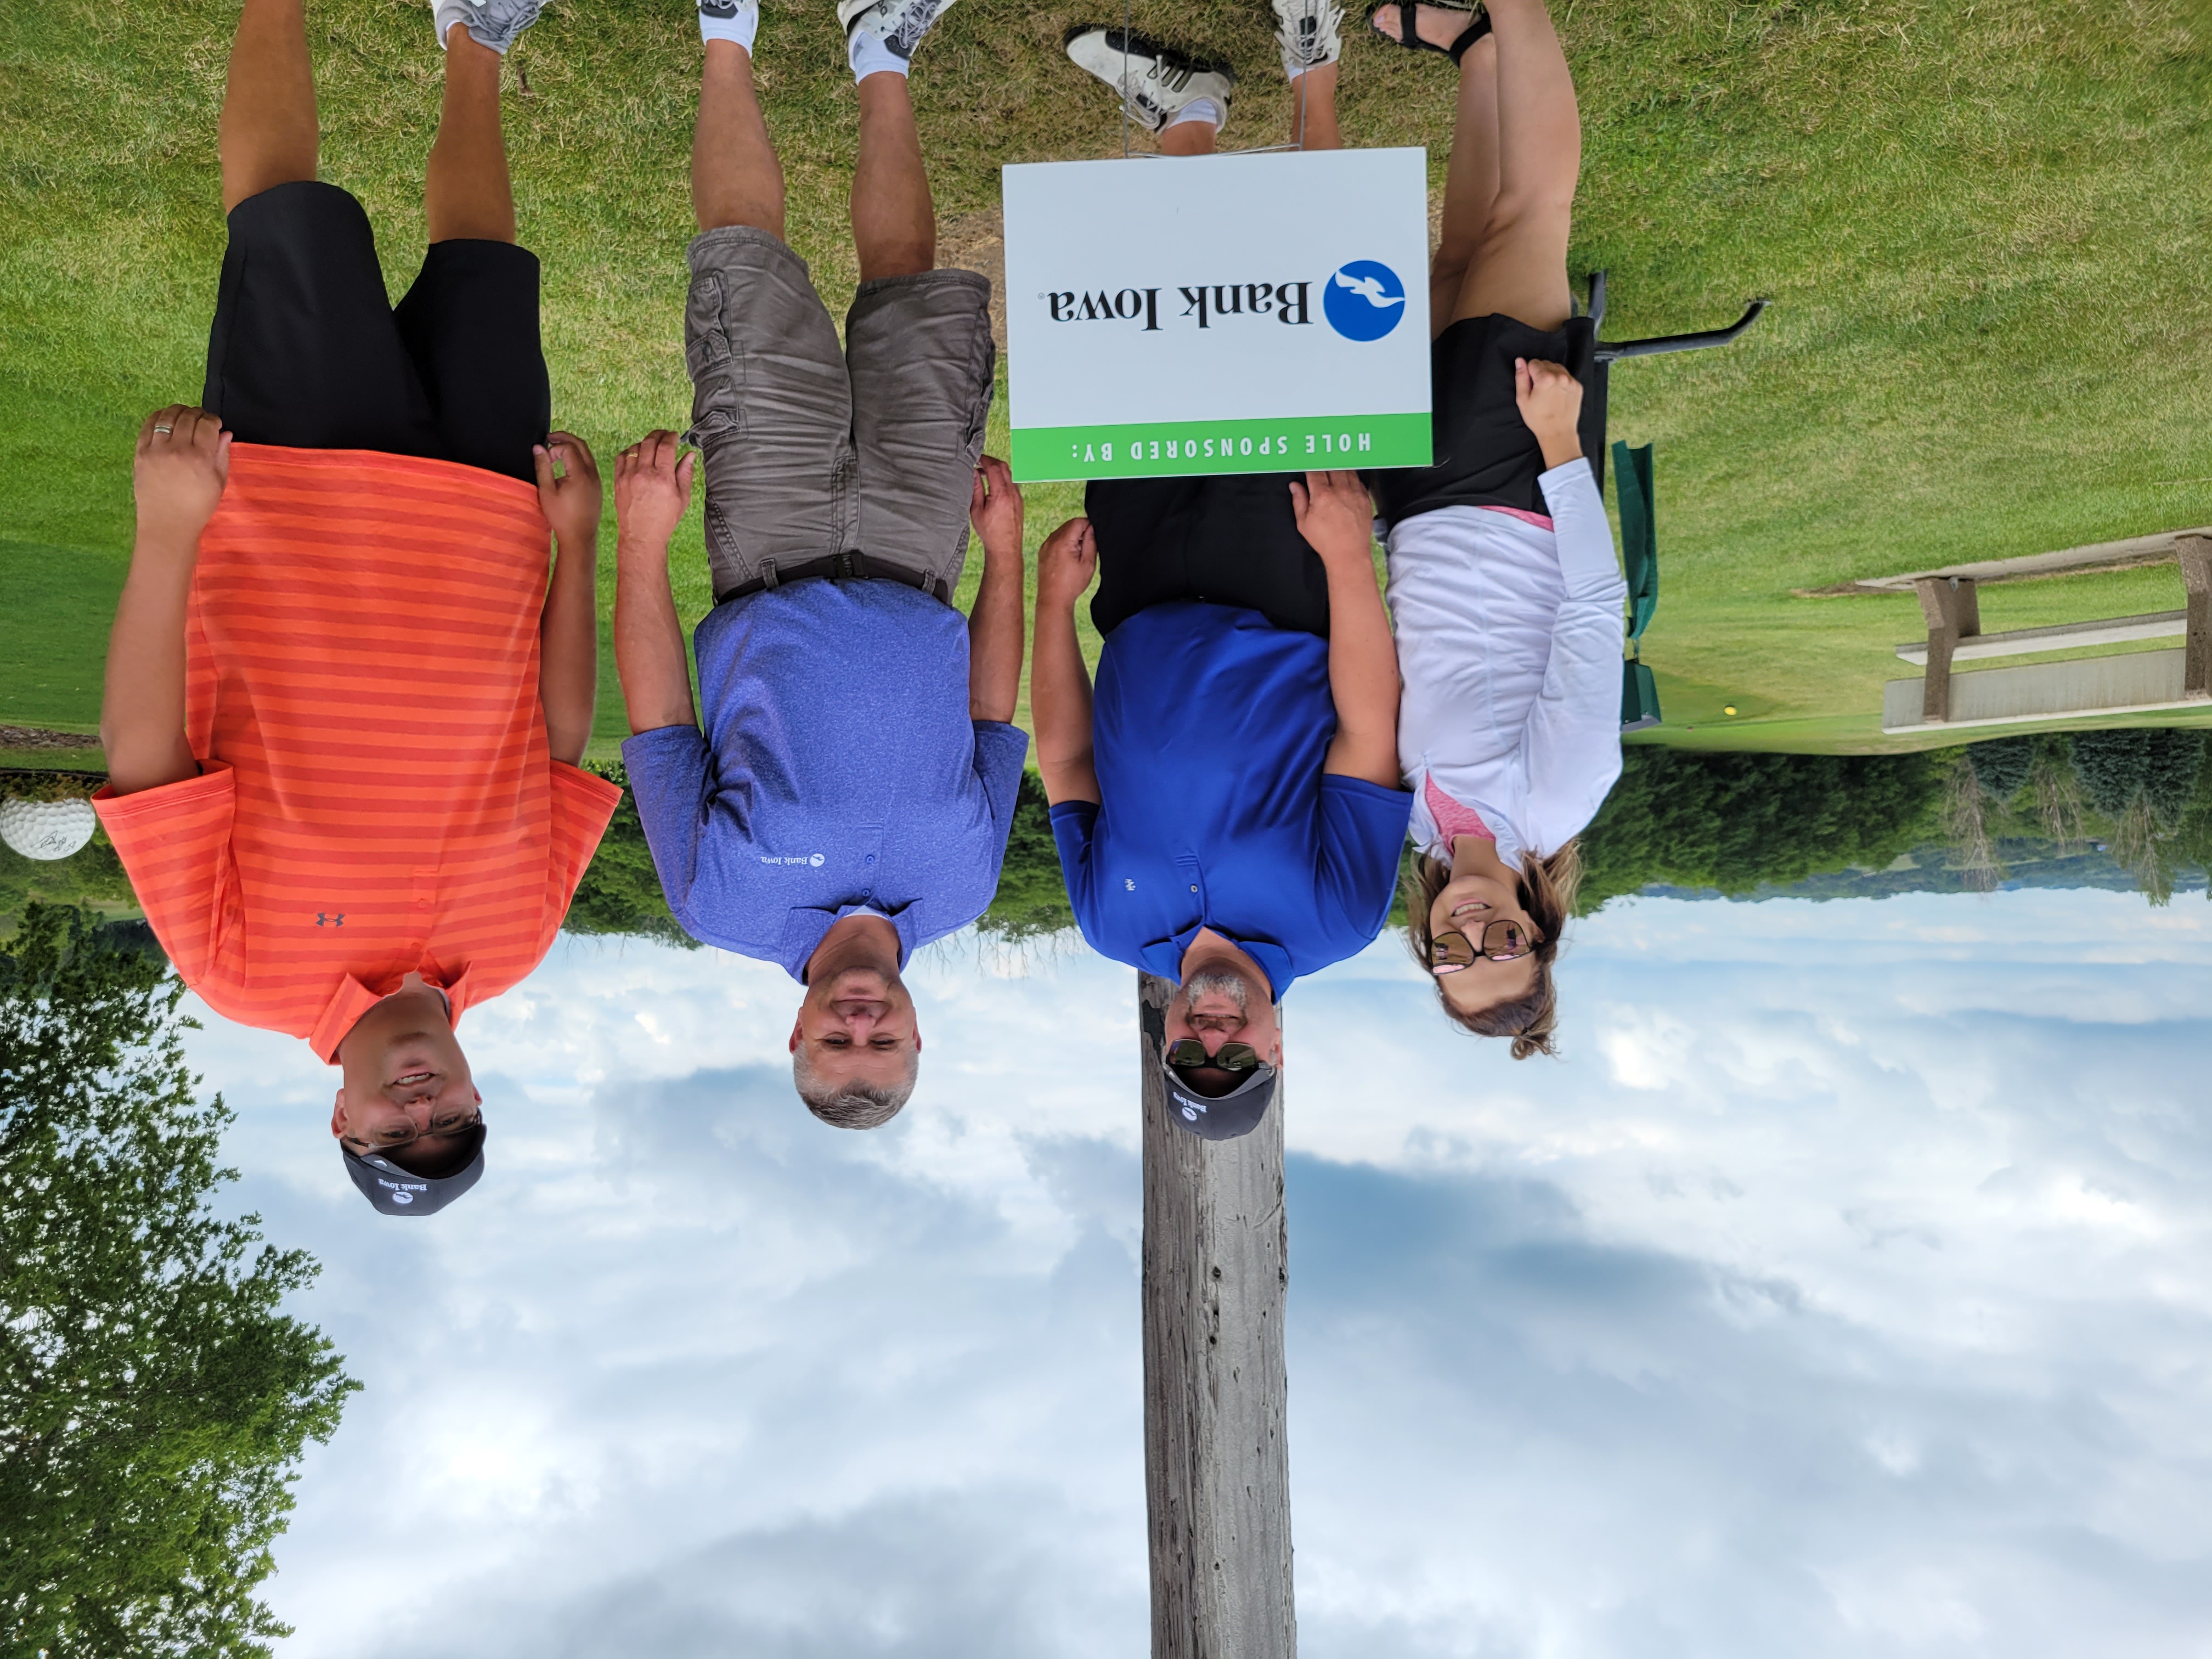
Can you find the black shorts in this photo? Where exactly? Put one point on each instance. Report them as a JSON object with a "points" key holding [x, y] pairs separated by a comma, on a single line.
{"points": [[1486, 456], [305, 350], [1228, 540]]}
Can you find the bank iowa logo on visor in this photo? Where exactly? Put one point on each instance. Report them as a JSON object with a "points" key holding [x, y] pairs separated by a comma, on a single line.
{"points": [[1364, 300]]}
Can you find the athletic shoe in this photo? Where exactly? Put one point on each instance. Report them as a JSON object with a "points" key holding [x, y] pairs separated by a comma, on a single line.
{"points": [[493, 23], [1155, 82], [730, 20], [899, 24], [1306, 31]]}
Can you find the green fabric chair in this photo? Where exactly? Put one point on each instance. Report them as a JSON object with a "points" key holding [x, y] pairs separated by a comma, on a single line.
{"points": [[1639, 697], [1639, 557]]}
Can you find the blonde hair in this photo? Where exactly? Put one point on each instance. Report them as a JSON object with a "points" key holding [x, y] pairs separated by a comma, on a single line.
{"points": [[1547, 887]]}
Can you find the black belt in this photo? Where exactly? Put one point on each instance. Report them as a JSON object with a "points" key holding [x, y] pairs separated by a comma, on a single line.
{"points": [[838, 567]]}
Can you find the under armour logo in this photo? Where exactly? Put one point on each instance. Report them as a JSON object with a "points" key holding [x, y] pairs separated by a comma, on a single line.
{"points": [[323, 919], [1130, 883]]}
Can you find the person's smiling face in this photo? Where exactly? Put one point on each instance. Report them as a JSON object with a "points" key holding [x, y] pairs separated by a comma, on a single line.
{"points": [[1221, 1004], [403, 1071], [859, 1026], [1467, 905]]}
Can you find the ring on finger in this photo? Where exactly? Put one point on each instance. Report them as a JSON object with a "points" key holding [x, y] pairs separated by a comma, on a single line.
{"points": [[163, 429]]}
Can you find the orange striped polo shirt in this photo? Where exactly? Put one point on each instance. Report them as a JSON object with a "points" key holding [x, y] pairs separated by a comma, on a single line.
{"points": [[375, 793]]}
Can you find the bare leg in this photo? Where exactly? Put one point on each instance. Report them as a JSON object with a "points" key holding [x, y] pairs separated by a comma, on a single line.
{"points": [[267, 135], [1520, 265], [1470, 180], [1190, 138], [1312, 109], [894, 225], [735, 177], [465, 193]]}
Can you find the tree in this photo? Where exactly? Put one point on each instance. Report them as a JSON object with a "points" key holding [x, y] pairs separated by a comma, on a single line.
{"points": [[2056, 805], [1735, 821], [92, 876], [621, 892], [2141, 779], [1032, 896], [154, 1401], [2158, 764], [2192, 840], [2002, 765]]}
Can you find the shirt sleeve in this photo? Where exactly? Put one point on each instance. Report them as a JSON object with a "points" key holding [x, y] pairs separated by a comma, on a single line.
{"points": [[669, 778], [1570, 747], [1362, 835], [583, 805], [1000, 751], [174, 843], [1074, 832]]}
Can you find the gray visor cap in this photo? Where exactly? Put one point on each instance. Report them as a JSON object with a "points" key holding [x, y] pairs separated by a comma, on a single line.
{"points": [[1220, 1117], [392, 1191]]}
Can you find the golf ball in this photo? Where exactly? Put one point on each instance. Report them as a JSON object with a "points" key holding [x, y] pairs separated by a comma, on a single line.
{"points": [[48, 829]]}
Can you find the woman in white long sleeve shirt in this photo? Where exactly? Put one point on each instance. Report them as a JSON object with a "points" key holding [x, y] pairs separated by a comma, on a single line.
{"points": [[1504, 592]]}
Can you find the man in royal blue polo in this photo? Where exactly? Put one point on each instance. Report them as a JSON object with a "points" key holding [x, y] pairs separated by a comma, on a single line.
{"points": [[850, 798], [1228, 813]]}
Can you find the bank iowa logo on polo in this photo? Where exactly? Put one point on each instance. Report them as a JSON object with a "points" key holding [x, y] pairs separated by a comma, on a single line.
{"points": [[1364, 300]]}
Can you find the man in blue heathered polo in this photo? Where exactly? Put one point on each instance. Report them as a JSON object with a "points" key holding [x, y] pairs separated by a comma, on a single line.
{"points": [[850, 798], [1228, 815]]}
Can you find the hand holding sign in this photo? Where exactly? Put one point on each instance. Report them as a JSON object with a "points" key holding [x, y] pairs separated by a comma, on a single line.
{"points": [[1066, 564], [1335, 517]]}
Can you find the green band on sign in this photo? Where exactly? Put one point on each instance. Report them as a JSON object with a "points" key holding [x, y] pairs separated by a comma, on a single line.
{"points": [[1151, 449]]}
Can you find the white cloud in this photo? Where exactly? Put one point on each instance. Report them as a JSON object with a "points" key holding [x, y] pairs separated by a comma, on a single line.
{"points": [[1840, 1291]]}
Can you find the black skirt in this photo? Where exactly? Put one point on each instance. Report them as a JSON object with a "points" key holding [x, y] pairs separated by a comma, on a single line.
{"points": [[1486, 455]]}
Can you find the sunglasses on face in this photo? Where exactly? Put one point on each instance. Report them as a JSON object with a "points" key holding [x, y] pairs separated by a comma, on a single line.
{"points": [[1189, 1053], [444, 1123], [1502, 941]]}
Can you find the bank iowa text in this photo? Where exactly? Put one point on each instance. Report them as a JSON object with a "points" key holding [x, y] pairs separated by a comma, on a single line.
{"points": [[1286, 302]]}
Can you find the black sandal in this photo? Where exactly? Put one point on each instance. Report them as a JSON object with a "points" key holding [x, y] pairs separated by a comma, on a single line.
{"points": [[1478, 25]]}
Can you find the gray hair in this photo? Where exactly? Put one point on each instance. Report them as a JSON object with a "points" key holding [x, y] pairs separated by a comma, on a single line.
{"points": [[852, 1105], [1217, 981]]}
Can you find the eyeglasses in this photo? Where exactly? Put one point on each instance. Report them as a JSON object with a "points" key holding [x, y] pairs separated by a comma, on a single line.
{"points": [[445, 1123], [1189, 1053], [1502, 941]]}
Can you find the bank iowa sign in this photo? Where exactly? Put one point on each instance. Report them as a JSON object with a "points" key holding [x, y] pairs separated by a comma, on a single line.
{"points": [[1224, 313]]}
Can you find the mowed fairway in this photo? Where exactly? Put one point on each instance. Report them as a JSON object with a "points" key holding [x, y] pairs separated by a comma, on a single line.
{"points": [[1983, 227]]}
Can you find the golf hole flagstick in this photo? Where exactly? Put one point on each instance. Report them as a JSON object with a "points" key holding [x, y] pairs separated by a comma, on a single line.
{"points": [[1219, 313]]}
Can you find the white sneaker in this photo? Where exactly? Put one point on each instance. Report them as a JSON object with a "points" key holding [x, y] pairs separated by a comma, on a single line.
{"points": [[1307, 33], [493, 23], [899, 24], [729, 20], [1155, 82]]}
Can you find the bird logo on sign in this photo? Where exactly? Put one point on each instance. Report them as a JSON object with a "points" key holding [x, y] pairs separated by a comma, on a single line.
{"points": [[1364, 300]]}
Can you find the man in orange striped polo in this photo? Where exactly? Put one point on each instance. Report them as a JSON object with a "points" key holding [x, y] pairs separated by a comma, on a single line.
{"points": [[345, 705]]}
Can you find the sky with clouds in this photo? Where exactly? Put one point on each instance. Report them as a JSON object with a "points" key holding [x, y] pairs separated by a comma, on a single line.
{"points": [[1843, 1291]]}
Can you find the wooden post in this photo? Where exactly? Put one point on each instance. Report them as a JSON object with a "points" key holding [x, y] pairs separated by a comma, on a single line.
{"points": [[2194, 553], [1953, 614], [1217, 1461]]}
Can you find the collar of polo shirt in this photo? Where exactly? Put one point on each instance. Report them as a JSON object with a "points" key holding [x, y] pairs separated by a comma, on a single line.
{"points": [[353, 998], [804, 930], [1270, 959]]}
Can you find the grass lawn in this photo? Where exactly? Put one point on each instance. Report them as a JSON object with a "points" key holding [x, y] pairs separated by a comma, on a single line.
{"points": [[1984, 224]]}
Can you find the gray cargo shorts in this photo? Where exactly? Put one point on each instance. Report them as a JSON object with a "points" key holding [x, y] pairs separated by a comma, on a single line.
{"points": [[811, 452]]}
